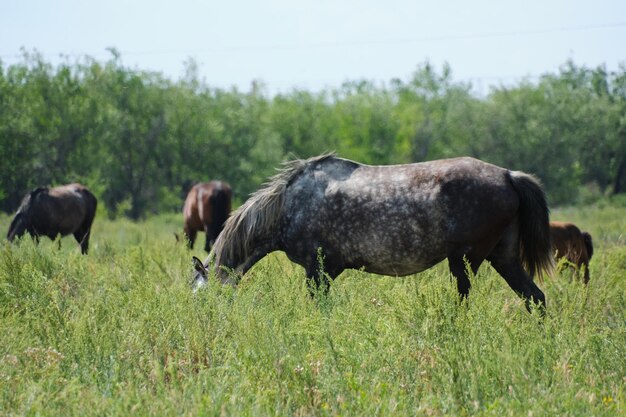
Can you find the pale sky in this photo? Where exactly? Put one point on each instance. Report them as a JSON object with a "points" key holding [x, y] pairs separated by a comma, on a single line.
{"points": [[316, 44]]}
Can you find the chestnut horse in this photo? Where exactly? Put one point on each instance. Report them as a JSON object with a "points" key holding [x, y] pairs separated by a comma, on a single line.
{"points": [[207, 207], [56, 211], [570, 243], [392, 220]]}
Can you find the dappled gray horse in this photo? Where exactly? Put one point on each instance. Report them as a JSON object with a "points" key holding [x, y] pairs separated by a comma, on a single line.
{"points": [[64, 210], [391, 220]]}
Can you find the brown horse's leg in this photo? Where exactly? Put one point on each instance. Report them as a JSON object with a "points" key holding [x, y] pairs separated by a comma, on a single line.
{"points": [[585, 265], [191, 237]]}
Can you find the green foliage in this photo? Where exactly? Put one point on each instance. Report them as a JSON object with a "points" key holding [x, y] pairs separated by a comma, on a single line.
{"points": [[140, 140], [119, 332]]}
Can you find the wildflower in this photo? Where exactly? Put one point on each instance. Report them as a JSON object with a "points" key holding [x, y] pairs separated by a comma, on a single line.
{"points": [[376, 302], [607, 400]]}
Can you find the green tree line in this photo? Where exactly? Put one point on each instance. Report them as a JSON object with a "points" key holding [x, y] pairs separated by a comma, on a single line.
{"points": [[139, 139]]}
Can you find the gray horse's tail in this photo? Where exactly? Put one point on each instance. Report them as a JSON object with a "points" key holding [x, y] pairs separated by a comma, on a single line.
{"points": [[588, 244], [534, 224]]}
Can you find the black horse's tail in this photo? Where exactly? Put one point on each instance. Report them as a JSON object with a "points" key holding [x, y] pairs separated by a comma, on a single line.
{"points": [[91, 205], [534, 224], [588, 244]]}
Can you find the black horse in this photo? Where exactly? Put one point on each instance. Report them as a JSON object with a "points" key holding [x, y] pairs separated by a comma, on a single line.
{"points": [[392, 220], [53, 211]]}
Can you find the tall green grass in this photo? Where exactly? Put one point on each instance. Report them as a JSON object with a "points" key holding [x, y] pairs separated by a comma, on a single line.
{"points": [[118, 332]]}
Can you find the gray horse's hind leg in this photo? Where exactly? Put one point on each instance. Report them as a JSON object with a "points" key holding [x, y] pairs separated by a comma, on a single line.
{"points": [[520, 282], [506, 260]]}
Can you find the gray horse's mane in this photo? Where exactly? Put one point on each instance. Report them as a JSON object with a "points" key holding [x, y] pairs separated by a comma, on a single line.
{"points": [[259, 215]]}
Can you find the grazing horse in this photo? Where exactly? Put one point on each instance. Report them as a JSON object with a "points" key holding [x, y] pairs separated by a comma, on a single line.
{"points": [[570, 243], [392, 220], [53, 211], [207, 207]]}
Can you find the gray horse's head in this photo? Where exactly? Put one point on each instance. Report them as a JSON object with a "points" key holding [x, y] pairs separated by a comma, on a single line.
{"points": [[201, 274]]}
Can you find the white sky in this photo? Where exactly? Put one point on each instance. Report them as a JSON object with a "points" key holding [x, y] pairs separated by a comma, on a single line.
{"points": [[317, 44]]}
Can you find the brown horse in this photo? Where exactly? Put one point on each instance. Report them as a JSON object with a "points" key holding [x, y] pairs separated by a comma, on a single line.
{"points": [[328, 214], [570, 243], [207, 207], [53, 211]]}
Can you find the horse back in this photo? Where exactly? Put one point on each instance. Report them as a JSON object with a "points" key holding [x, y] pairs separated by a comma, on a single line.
{"points": [[62, 209], [202, 202], [444, 191]]}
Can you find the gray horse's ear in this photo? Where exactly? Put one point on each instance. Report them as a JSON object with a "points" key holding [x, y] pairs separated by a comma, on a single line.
{"points": [[199, 267]]}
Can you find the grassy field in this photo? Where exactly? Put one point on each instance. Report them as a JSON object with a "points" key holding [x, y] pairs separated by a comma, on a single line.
{"points": [[118, 332]]}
